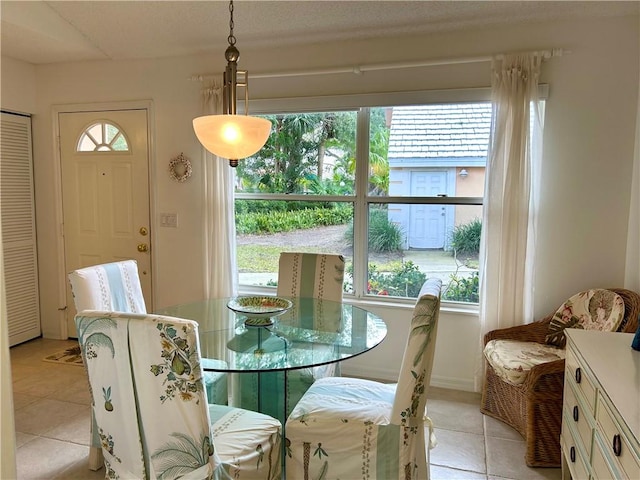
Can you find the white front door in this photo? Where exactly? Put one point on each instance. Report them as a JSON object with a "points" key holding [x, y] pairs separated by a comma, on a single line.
{"points": [[105, 193], [427, 222]]}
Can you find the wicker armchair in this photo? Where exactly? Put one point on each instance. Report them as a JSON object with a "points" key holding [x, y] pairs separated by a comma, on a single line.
{"points": [[534, 408]]}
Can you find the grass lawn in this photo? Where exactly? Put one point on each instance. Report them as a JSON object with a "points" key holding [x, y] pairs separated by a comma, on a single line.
{"points": [[263, 258]]}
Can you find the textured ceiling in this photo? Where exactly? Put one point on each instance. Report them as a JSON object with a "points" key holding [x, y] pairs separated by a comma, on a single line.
{"points": [[41, 32]]}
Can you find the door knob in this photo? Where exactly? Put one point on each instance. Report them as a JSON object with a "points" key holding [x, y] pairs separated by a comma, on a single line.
{"points": [[143, 247]]}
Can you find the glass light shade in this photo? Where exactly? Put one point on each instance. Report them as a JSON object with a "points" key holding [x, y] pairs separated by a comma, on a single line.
{"points": [[232, 136]]}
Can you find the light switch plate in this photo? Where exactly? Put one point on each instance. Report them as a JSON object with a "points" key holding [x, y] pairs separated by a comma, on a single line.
{"points": [[169, 220]]}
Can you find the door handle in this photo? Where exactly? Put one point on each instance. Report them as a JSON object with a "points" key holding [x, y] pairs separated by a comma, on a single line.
{"points": [[143, 247]]}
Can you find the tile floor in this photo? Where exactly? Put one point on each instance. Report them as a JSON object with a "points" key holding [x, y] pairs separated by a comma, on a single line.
{"points": [[52, 426]]}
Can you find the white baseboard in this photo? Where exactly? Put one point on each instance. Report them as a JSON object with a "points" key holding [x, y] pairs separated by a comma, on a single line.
{"points": [[383, 374], [463, 384], [391, 375]]}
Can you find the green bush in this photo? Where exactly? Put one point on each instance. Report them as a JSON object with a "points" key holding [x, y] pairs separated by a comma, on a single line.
{"points": [[267, 206], [273, 220], [465, 239], [404, 280], [384, 236], [461, 289]]}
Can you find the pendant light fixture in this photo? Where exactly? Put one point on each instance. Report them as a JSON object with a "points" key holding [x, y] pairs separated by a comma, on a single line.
{"points": [[230, 135]]}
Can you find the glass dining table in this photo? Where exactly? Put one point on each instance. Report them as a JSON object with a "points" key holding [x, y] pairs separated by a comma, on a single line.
{"points": [[310, 334]]}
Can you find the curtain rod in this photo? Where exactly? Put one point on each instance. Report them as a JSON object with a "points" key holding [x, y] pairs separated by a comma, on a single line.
{"points": [[360, 69]]}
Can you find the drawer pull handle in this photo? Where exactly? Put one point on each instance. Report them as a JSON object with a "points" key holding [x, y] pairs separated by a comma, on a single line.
{"points": [[578, 375], [617, 445], [576, 413], [572, 454]]}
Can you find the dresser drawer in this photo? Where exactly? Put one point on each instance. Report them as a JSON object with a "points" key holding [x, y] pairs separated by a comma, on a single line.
{"points": [[614, 441], [579, 377], [573, 455], [579, 417], [601, 468]]}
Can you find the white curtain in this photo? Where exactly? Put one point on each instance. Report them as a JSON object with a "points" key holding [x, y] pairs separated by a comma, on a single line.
{"points": [[632, 274], [220, 272], [506, 281]]}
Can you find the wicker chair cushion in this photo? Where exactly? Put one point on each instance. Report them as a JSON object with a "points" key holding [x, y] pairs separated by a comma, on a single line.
{"points": [[596, 309], [512, 360]]}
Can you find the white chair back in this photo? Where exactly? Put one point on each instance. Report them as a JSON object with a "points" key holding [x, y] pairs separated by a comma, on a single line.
{"points": [[415, 373], [311, 275], [149, 400], [113, 287]]}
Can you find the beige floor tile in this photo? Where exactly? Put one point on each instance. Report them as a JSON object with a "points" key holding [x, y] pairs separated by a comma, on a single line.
{"points": [[452, 415], [45, 414], [46, 382], [505, 458], [457, 396], [444, 473], [495, 428], [44, 458], [80, 471], [76, 430], [22, 438], [76, 393], [21, 400], [459, 450]]}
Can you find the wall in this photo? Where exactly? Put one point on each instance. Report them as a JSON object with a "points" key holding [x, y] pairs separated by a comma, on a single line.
{"points": [[586, 174], [18, 86]]}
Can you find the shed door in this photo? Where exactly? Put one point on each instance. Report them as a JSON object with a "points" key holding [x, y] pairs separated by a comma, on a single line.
{"points": [[427, 222]]}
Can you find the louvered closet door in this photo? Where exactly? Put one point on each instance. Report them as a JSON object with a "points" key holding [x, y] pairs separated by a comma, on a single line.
{"points": [[18, 228]]}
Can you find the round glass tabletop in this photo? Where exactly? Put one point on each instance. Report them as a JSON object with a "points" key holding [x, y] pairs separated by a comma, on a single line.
{"points": [[310, 333]]}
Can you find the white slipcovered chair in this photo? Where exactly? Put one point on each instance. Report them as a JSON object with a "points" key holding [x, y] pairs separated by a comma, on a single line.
{"points": [[151, 409], [311, 275], [352, 428], [303, 276], [115, 287]]}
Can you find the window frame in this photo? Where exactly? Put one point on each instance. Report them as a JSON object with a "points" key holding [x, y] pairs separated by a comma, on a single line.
{"points": [[361, 200]]}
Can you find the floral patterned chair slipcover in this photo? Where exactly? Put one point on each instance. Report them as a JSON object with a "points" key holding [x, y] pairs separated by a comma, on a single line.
{"points": [[151, 409], [115, 287], [303, 276], [352, 428]]}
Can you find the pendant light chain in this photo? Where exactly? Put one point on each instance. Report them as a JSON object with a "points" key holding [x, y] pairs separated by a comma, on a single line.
{"points": [[231, 38]]}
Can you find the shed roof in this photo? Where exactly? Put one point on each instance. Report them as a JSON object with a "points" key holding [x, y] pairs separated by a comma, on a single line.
{"points": [[439, 132]]}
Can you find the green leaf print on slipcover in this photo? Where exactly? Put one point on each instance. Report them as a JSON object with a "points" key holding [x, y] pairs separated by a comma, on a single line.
{"points": [[181, 365], [91, 335], [181, 456], [422, 327]]}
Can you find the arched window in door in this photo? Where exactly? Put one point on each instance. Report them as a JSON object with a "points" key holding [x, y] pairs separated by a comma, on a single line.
{"points": [[103, 137]]}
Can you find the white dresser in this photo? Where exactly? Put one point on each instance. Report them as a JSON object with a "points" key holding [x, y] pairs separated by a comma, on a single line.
{"points": [[601, 411]]}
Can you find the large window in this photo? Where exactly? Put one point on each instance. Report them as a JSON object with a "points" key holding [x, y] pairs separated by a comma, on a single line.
{"points": [[396, 189]]}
